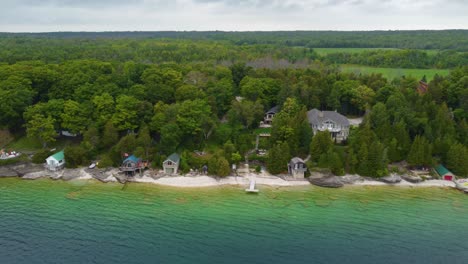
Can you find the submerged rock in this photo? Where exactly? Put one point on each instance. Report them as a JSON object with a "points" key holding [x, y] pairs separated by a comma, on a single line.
{"points": [[328, 182], [393, 178]]}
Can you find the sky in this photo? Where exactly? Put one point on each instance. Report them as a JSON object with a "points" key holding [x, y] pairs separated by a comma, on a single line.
{"points": [[230, 15]]}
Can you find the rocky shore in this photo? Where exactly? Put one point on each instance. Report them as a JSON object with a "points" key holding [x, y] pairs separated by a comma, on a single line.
{"points": [[30, 171]]}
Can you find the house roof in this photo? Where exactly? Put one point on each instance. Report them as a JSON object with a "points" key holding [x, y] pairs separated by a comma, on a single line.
{"points": [[132, 158], [441, 170], [297, 160], [273, 110], [58, 156], [174, 157], [317, 117]]}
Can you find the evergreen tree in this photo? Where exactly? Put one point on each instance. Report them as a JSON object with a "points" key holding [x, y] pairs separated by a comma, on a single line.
{"points": [[363, 158], [377, 160], [457, 160], [331, 160], [320, 144], [110, 136], [420, 153], [278, 158], [144, 141], [351, 161]]}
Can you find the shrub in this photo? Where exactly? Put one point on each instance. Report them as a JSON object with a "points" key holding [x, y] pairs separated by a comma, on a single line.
{"points": [[258, 169], [75, 156], [219, 166], [41, 156], [105, 162]]}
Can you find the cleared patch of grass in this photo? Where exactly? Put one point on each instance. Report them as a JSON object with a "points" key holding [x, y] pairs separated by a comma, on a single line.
{"points": [[326, 51], [25, 144], [263, 130], [391, 73]]}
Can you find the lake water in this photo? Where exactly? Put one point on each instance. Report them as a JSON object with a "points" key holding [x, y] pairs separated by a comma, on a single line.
{"points": [[46, 221]]}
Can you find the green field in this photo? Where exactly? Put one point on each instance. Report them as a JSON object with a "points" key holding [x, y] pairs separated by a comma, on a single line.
{"points": [[326, 51], [391, 73]]}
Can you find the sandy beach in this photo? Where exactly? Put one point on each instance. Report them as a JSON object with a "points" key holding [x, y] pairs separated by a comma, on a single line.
{"points": [[206, 181], [187, 181]]}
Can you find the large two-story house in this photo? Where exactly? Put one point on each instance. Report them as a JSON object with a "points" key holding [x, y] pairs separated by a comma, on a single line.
{"points": [[331, 121]]}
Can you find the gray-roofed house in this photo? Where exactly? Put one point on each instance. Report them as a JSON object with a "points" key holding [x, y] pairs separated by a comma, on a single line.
{"points": [[270, 114], [297, 168], [335, 123], [171, 164]]}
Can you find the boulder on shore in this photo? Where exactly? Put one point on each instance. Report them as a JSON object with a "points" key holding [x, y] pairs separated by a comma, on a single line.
{"points": [[412, 179], [36, 175], [7, 172], [393, 178], [328, 182]]}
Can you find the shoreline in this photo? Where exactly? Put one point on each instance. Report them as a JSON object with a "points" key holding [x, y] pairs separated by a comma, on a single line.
{"points": [[33, 172]]}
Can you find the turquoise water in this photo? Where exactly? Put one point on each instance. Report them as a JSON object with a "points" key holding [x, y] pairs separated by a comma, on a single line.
{"points": [[47, 221]]}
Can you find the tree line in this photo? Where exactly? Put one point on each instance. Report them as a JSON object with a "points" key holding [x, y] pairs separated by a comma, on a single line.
{"points": [[153, 110]]}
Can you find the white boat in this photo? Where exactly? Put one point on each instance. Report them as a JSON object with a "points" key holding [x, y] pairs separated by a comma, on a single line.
{"points": [[11, 155]]}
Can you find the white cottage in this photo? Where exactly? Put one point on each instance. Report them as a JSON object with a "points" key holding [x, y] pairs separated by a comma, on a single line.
{"points": [[56, 161], [297, 168], [171, 164]]}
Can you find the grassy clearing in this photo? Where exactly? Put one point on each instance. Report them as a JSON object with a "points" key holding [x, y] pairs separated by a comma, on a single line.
{"points": [[28, 145], [391, 73], [326, 51]]}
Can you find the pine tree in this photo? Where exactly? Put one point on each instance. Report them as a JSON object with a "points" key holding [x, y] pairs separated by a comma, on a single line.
{"points": [[320, 144], [363, 156], [420, 153], [278, 158], [457, 160]]}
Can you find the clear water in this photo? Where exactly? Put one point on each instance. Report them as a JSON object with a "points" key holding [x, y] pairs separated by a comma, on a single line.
{"points": [[47, 221]]}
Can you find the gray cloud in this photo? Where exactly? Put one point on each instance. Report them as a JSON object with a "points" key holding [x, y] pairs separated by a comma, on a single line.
{"points": [[100, 15]]}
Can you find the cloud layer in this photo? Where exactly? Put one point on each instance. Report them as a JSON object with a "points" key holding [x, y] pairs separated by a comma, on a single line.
{"points": [[235, 15]]}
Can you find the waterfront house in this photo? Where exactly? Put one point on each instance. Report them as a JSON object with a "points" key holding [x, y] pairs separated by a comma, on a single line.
{"points": [[444, 173], [132, 164], [297, 168], [56, 161], [270, 114], [171, 164], [331, 121]]}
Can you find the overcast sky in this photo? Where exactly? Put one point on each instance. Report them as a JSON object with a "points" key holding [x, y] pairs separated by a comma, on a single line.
{"points": [[230, 15]]}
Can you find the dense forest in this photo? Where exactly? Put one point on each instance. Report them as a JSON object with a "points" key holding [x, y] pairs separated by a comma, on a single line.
{"points": [[157, 94], [415, 39]]}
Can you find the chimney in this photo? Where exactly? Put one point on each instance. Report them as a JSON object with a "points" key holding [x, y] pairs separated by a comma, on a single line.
{"points": [[320, 114]]}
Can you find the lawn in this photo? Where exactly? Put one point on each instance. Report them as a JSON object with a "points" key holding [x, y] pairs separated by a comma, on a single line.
{"points": [[326, 51], [391, 73], [31, 145]]}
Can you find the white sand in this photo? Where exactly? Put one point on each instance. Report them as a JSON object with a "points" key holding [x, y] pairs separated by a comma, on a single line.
{"points": [[206, 181]]}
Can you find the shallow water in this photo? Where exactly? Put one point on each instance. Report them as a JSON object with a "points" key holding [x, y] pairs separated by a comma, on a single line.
{"points": [[46, 221]]}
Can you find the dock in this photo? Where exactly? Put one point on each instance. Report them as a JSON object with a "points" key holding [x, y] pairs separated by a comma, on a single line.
{"points": [[251, 188]]}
